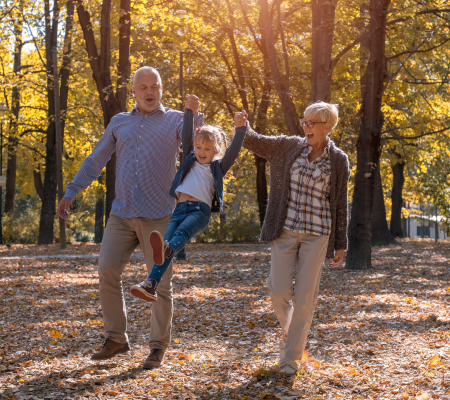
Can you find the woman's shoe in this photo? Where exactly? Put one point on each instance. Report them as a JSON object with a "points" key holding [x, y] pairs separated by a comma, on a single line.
{"points": [[288, 367], [287, 370]]}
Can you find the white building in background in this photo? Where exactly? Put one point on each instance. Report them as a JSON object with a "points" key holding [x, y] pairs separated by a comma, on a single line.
{"points": [[420, 225]]}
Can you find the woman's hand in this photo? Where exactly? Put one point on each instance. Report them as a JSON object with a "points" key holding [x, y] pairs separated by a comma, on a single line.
{"points": [[192, 102], [337, 259], [240, 119]]}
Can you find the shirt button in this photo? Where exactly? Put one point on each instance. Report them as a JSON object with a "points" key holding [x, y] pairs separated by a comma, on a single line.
{"points": [[136, 160], [142, 126], [135, 185], [138, 148], [135, 173], [139, 135]]}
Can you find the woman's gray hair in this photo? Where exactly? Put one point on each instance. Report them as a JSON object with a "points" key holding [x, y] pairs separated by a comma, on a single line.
{"points": [[325, 112]]}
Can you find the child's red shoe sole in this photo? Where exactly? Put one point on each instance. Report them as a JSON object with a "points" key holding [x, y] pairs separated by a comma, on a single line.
{"points": [[157, 243]]}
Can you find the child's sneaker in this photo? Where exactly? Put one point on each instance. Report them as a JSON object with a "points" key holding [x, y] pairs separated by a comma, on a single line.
{"points": [[145, 290], [157, 243]]}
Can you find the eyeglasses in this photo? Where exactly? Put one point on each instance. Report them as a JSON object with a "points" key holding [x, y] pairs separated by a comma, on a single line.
{"points": [[309, 124]]}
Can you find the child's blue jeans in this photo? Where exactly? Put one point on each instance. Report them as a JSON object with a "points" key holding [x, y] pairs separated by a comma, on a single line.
{"points": [[188, 219]]}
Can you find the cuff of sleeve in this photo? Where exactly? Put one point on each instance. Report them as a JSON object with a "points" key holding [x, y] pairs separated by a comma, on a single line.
{"points": [[71, 194], [198, 119], [242, 128]]}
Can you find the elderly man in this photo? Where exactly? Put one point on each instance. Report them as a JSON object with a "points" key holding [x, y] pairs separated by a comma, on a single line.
{"points": [[147, 142]]}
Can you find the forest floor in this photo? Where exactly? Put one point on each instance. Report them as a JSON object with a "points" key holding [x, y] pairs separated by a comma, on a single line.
{"points": [[377, 334]]}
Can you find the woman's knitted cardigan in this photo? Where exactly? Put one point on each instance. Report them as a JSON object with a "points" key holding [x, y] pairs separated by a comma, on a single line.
{"points": [[281, 152]]}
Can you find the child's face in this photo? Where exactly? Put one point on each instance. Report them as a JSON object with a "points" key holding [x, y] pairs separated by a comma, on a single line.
{"points": [[204, 151]]}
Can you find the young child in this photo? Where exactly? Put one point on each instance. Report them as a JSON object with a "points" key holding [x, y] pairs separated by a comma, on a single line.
{"points": [[198, 186]]}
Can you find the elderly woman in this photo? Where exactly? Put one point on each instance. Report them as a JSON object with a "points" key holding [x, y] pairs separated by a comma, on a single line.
{"points": [[306, 219]]}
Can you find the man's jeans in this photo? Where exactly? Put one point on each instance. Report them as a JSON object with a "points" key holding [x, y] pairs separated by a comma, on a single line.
{"points": [[122, 236], [189, 219]]}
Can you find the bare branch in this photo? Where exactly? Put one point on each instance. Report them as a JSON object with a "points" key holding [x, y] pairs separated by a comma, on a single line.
{"points": [[283, 42], [415, 137], [419, 51], [347, 49]]}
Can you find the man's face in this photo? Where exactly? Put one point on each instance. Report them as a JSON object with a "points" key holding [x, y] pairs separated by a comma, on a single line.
{"points": [[147, 90]]}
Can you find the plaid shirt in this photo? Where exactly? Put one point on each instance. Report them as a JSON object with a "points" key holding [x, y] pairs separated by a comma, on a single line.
{"points": [[147, 147], [309, 199]]}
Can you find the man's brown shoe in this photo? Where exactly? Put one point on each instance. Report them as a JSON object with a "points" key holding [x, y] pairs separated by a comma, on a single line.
{"points": [[110, 348], [154, 359]]}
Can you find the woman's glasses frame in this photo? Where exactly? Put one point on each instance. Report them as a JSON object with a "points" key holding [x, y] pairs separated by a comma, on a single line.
{"points": [[309, 124]]}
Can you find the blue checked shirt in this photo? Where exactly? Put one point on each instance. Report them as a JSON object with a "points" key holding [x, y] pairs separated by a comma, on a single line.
{"points": [[147, 148]]}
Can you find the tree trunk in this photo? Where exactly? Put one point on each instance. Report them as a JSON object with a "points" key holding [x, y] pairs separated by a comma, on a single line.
{"points": [[11, 166], [364, 46], [368, 144], [237, 59], [380, 230], [261, 127], [323, 15], [436, 227], [66, 66], [50, 179], [397, 199], [99, 212], [38, 180], [112, 103], [281, 87]]}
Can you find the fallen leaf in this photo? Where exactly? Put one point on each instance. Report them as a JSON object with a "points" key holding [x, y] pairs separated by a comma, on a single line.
{"points": [[305, 356], [434, 360], [54, 334]]}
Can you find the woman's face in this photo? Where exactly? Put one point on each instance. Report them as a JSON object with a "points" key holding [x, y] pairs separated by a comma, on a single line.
{"points": [[316, 131]]}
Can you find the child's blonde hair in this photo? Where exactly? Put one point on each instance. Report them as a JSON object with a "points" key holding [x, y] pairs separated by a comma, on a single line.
{"points": [[215, 135]]}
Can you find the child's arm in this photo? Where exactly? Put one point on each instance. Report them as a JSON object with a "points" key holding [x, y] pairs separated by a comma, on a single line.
{"points": [[187, 134], [233, 151]]}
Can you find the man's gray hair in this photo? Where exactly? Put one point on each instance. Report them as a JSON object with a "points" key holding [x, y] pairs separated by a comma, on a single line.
{"points": [[148, 70]]}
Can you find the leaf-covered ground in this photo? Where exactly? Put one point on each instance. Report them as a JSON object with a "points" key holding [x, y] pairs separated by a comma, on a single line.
{"points": [[381, 334]]}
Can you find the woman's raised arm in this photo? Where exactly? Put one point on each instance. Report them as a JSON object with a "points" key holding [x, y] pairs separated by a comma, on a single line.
{"points": [[263, 146]]}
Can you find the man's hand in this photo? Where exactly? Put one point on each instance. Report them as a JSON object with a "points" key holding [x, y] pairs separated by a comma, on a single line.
{"points": [[63, 206], [192, 102], [337, 259], [240, 119]]}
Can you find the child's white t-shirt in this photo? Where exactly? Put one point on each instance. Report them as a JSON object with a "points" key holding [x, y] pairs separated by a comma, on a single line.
{"points": [[198, 183]]}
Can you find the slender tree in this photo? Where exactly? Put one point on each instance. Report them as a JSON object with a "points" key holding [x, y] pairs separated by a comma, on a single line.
{"points": [[281, 85], [380, 230], [323, 15], [112, 102], [369, 140], [50, 179], [11, 165], [47, 190], [397, 197]]}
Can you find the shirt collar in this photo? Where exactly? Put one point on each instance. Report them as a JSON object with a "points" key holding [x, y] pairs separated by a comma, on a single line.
{"points": [[326, 150], [160, 109]]}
